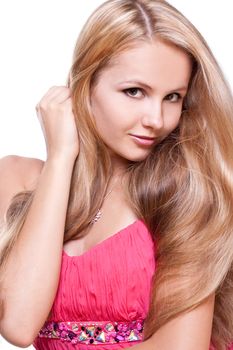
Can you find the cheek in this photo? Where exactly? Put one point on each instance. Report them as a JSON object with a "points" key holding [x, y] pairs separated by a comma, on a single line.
{"points": [[106, 121], [112, 116], [172, 119]]}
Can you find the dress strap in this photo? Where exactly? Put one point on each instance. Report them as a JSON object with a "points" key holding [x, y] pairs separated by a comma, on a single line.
{"points": [[107, 332]]}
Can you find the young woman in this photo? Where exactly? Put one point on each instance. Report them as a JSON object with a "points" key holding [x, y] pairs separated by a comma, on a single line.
{"points": [[123, 236]]}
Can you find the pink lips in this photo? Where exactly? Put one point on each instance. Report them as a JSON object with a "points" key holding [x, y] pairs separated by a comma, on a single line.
{"points": [[143, 140], [144, 137]]}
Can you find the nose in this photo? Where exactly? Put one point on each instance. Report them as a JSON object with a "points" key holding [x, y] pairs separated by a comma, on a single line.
{"points": [[153, 116]]}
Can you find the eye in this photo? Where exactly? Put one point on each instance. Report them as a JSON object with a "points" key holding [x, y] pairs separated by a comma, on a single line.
{"points": [[133, 89], [174, 97]]}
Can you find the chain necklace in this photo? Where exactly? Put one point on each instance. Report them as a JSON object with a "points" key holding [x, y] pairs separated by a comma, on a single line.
{"points": [[99, 212]]}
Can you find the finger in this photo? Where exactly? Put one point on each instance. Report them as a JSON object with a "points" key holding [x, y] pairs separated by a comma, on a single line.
{"points": [[51, 92], [55, 94], [46, 96], [62, 96]]}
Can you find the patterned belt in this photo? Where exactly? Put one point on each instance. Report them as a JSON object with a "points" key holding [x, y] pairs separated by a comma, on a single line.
{"points": [[107, 332]]}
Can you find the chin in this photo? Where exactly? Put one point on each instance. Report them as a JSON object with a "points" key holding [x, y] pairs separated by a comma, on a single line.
{"points": [[125, 156], [136, 158]]}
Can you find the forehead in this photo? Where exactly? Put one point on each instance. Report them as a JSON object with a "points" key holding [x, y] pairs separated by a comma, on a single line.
{"points": [[152, 62]]}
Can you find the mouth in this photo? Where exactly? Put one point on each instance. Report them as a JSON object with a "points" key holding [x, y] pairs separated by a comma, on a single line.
{"points": [[144, 137], [143, 140]]}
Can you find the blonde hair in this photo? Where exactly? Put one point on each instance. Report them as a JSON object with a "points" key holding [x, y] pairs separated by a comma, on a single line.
{"points": [[183, 190]]}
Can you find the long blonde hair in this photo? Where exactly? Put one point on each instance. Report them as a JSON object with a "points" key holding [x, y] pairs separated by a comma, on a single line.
{"points": [[183, 190]]}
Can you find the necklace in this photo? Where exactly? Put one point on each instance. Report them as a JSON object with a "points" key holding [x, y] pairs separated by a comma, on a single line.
{"points": [[99, 212]]}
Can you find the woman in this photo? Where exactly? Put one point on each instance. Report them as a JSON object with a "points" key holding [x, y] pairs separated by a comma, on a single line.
{"points": [[124, 233]]}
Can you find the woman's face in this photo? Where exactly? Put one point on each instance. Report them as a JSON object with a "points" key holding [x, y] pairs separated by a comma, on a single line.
{"points": [[140, 94]]}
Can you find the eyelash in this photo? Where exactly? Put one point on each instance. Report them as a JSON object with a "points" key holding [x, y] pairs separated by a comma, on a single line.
{"points": [[136, 88]]}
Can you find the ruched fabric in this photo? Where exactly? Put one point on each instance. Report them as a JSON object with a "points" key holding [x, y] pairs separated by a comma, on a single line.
{"points": [[109, 282]]}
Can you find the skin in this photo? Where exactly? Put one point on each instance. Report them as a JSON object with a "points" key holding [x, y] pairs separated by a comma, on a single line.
{"points": [[152, 111]]}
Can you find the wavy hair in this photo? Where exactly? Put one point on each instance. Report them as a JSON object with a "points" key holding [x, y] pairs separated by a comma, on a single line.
{"points": [[183, 190]]}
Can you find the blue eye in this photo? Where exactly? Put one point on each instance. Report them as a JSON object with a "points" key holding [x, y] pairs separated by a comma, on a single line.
{"points": [[126, 91], [174, 97]]}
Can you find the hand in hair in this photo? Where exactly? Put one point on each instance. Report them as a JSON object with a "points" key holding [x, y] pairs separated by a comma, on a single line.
{"points": [[57, 120]]}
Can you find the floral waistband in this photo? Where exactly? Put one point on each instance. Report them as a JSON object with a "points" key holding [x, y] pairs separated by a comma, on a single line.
{"points": [[107, 332]]}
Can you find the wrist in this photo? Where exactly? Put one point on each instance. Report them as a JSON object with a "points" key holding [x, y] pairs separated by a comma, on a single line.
{"points": [[61, 159]]}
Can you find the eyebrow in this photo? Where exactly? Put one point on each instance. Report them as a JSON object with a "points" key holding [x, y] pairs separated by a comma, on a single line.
{"points": [[137, 82]]}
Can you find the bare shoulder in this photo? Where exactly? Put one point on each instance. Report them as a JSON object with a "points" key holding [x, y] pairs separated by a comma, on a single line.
{"points": [[19, 170], [30, 169], [17, 174]]}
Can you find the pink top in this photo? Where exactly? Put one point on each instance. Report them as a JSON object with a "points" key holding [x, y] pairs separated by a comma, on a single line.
{"points": [[111, 282]]}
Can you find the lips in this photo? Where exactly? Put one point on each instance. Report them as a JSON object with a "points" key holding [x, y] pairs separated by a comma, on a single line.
{"points": [[144, 137], [143, 141]]}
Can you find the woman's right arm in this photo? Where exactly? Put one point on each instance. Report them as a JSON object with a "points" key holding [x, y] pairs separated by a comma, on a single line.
{"points": [[34, 265]]}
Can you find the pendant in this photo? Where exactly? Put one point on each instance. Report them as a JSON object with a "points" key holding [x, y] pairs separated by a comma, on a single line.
{"points": [[97, 216]]}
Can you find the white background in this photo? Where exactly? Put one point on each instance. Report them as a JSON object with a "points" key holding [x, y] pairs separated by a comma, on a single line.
{"points": [[37, 40]]}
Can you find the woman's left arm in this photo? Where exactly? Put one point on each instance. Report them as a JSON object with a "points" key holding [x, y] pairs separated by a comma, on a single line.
{"points": [[189, 331]]}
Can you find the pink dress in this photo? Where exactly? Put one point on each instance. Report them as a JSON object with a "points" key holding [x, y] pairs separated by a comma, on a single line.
{"points": [[103, 295], [108, 286]]}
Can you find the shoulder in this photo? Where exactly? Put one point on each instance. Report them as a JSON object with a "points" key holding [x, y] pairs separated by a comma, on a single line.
{"points": [[17, 174], [21, 170], [30, 169]]}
